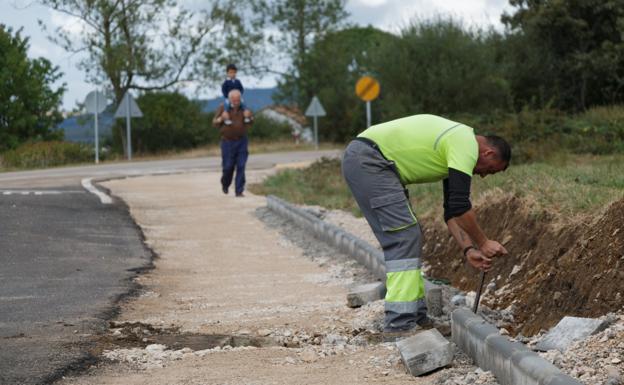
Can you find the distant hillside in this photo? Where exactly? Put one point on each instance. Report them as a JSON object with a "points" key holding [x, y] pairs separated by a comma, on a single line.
{"points": [[255, 99], [81, 128]]}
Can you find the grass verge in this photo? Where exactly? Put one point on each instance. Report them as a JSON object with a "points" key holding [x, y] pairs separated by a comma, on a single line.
{"points": [[565, 185]]}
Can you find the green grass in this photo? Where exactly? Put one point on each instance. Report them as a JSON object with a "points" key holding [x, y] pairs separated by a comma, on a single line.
{"points": [[32, 155], [566, 185], [319, 184]]}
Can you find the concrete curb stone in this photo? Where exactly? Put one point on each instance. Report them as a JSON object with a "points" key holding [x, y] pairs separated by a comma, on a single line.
{"points": [[425, 351], [345, 242], [511, 362]]}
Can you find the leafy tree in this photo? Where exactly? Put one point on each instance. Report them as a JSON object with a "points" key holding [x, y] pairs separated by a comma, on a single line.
{"points": [[332, 67], [300, 23], [440, 67], [435, 66], [149, 45], [29, 104], [567, 53], [170, 121]]}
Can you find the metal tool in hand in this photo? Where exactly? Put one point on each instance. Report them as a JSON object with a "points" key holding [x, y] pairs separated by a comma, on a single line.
{"points": [[478, 297]]}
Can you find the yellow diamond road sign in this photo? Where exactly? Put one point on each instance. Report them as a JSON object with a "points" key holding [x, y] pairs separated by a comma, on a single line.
{"points": [[367, 88]]}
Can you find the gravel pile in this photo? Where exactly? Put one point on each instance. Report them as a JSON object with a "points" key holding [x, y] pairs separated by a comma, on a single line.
{"points": [[157, 355], [599, 359]]}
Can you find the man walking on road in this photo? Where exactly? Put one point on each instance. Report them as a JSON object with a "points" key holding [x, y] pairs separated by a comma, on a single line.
{"points": [[377, 166], [234, 142]]}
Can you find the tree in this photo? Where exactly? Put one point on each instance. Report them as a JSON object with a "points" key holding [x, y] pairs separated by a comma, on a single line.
{"points": [[570, 52], [332, 67], [171, 121], [440, 67], [29, 104], [300, 23], [149, 45]]}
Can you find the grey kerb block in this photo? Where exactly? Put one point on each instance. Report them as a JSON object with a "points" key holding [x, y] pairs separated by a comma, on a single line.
{"points": [[337, 237], [425, 351], [568, 330], [511, 362], [349, 244], [363, 294], [433, 298]]}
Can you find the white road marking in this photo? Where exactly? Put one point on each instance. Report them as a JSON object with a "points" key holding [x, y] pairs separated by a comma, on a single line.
{"points": [[39, 192], [104, 198]]}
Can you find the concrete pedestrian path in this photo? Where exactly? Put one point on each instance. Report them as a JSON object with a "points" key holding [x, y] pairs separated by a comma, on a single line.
{"points": [[222, 271]]}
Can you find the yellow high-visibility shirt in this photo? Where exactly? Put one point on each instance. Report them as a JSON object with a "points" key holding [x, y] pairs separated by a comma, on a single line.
{"points": [[424, 147]]}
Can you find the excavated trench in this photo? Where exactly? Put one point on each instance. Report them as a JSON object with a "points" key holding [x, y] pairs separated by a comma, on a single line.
{"points": [[139, 335], [552, 269]]}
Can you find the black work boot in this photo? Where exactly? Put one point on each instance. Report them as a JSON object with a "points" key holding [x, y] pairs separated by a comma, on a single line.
{"points": [[393, 335]]}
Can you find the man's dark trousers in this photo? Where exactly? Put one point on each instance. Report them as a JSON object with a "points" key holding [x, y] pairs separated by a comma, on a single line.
{"points": [[234, 155]]}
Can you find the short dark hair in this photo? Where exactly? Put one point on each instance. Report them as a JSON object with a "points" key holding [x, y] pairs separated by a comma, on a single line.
{"points": [[231, 67], [502, 148]]}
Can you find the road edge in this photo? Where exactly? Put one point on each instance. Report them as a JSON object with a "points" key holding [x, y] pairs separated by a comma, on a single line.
{"points": [[100, 320]]}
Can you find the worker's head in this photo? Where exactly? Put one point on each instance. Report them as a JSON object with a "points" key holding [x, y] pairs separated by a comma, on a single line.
{"points": [[235, 98], [231, 70], [494, 155]]}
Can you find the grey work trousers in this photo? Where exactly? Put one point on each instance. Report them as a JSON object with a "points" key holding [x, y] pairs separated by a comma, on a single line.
{"points": [[384, 203]]}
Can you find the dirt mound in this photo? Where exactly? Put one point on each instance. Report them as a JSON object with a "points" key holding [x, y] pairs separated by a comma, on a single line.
{"points": [[552, 270]]}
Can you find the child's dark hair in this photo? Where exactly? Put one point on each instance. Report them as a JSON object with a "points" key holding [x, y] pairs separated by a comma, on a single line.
{"points": [[231, 67]]}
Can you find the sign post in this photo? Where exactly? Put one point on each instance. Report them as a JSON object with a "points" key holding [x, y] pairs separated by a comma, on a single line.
{"points": [[367, 89], [129, 109], [95, 102], [315, 109]]}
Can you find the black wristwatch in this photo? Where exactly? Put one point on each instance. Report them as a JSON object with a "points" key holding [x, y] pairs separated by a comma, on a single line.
{"points": [[468, 248]]}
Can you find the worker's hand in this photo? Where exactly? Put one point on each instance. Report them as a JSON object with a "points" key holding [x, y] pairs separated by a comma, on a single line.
{"points": [[218, 120], [492, 248], [477, 259]]}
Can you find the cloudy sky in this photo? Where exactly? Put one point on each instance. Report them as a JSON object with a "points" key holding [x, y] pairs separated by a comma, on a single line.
{"points": [[389, 15]]}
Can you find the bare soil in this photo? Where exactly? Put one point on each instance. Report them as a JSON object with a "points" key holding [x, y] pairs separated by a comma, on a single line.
{"points": [[552, 269]]}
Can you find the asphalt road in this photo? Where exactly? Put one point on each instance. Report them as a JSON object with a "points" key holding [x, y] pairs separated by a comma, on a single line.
{"points": [[70, 176], [66, 259]]}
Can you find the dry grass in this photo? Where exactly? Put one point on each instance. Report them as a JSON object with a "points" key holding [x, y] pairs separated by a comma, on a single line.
{"points": [[255, 147]]}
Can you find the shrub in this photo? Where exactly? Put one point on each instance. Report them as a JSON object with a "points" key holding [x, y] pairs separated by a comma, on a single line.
{"points": [[170, 122], [269, 129], [47, 154]]}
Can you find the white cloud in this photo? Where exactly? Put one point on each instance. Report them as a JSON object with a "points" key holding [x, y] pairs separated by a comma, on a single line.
{"points": [[37, 50], [393, 15], [371, 3], [70, 24]]}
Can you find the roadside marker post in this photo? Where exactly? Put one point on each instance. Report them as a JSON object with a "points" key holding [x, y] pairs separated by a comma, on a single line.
{"points": [[367, 89], [315, 109], [128, 108], [95, 103]]}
